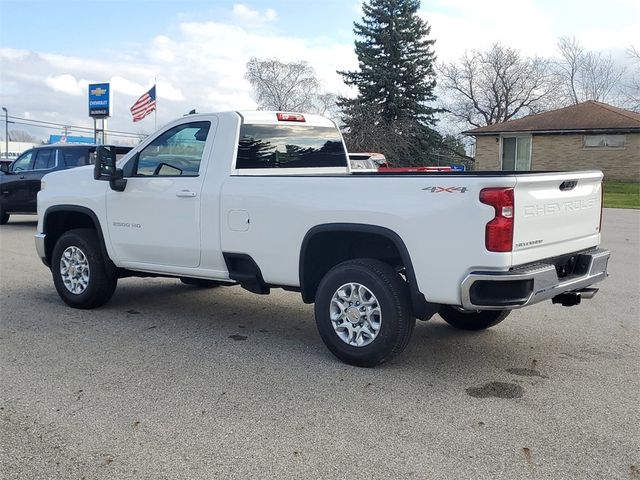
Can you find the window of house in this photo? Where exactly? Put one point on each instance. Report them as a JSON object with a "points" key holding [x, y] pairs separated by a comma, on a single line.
{"points": [[605, 141], [516, 153]]}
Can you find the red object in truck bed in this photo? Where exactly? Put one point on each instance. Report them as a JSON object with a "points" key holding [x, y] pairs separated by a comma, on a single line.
{"points": [[415, 169]]}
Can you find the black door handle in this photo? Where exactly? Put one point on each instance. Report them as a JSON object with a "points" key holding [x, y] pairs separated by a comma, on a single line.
{"points": [[21, 177]]}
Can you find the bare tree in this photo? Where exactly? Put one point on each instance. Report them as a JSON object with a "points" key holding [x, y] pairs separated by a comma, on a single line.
{"points": [[632, 87], [586, 75], [397, 139], [287, 86], [22, 136], [326, 104], [487, 87]]}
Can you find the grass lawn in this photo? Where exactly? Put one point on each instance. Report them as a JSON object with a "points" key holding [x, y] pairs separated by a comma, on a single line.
{"points": [[621, 194]]}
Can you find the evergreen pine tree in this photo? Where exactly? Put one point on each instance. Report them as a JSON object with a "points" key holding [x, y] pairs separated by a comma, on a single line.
{"points": [[395, 83]]}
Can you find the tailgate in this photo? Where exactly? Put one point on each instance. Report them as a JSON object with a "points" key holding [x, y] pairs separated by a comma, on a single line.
{"points": [[555, 214]]}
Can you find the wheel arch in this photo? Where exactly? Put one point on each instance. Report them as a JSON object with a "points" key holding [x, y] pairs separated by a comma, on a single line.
{"points": [[59, 219], [326, 245]]}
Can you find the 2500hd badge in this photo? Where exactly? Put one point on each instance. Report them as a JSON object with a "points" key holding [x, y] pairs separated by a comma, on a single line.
{"points": [[127, 225]]}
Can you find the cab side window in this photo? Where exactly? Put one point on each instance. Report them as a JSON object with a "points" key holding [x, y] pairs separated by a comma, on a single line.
{"points": [[176, 152], [45, 159], [23, 163]]}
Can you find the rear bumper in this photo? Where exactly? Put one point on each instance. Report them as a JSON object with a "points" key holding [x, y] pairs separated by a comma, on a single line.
{"points": [[531, 284]]}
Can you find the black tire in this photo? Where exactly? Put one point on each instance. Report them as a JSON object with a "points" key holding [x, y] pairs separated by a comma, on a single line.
{"points": [[4, 217], [101, 284], [392, 294], [199, 282], [479, 320]]}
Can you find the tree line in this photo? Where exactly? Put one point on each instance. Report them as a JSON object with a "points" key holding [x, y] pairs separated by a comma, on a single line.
{"points": [[398, 103]]}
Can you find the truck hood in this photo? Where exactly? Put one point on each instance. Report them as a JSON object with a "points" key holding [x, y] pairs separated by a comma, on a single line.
{"points": [[70, 175]]}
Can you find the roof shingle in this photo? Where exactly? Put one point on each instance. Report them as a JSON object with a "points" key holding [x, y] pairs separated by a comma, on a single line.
{"points": [[583, 117]]}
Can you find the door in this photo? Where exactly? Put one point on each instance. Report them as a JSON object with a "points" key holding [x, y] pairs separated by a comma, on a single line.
{"points": [[516, 153], [45, 161], [156, 219], [12, 190]]}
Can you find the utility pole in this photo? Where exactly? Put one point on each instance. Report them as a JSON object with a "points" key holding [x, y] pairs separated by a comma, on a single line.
{"points": [[6, 132]]}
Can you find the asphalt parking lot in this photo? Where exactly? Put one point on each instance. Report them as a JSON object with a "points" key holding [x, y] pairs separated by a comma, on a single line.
{"points": [[168, 381]]}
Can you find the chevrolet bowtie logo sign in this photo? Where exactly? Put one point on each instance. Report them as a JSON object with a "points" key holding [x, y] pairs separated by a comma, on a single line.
{"points": [[98, 92], [99, 101]]}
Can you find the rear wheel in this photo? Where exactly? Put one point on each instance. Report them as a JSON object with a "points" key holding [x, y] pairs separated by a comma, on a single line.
{"points": [[4, 217], [200, 282], [79, 270], [478, 320], [363, 312]]}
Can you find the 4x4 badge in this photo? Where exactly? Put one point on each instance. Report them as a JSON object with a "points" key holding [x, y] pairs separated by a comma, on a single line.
{"points": [[446, 189]]}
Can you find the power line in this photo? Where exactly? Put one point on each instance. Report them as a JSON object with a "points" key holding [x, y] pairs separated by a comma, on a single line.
{"points": [[72, 129], [63, 125], [80, 129]]}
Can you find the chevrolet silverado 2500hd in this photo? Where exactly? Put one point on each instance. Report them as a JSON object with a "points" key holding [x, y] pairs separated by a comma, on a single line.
{"points": [[268, 199]]}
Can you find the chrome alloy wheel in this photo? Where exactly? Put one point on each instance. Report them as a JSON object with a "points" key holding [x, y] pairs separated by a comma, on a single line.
{"points": [[74, 270], [355, 314]]}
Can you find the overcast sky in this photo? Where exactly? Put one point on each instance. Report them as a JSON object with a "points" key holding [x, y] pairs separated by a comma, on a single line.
{"points": [[197, 49]]}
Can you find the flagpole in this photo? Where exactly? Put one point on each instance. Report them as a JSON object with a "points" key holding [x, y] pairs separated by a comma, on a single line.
{"points": [[155, 116]]}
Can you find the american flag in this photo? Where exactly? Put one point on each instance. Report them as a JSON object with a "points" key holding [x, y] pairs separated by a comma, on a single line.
{"points": [[144, 105]]}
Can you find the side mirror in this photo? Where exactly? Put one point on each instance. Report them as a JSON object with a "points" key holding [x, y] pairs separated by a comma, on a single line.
{"points": [[105, 163], [4, 167], [105, 168], [117, 181]]}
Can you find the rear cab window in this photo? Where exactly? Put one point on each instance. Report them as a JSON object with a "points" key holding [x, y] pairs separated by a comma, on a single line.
{"points": [[282, 147]]}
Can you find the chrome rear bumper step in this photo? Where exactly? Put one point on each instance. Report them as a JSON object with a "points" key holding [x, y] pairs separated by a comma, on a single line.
{"points": [[527, 285]]}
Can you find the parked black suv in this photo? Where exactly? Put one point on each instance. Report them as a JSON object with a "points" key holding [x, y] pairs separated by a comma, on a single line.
{"points": [[20, 181]]}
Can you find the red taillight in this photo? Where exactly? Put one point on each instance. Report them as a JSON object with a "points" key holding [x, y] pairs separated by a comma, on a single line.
{"points": [[290, 117], [499, 231]]}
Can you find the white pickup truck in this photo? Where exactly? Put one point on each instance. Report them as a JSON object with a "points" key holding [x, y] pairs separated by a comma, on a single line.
{"points": [[267, 200]]}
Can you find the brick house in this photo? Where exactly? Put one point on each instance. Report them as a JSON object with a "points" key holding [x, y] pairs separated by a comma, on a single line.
{"points": [[589, 135]]}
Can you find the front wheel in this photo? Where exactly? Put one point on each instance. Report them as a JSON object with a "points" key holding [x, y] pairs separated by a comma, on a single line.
{"points": [[363, 312], [79, 270], [4, 217], [478, 320]]}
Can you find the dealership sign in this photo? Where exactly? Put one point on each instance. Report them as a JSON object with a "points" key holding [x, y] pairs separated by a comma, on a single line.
{"points": [[99, 100]]}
